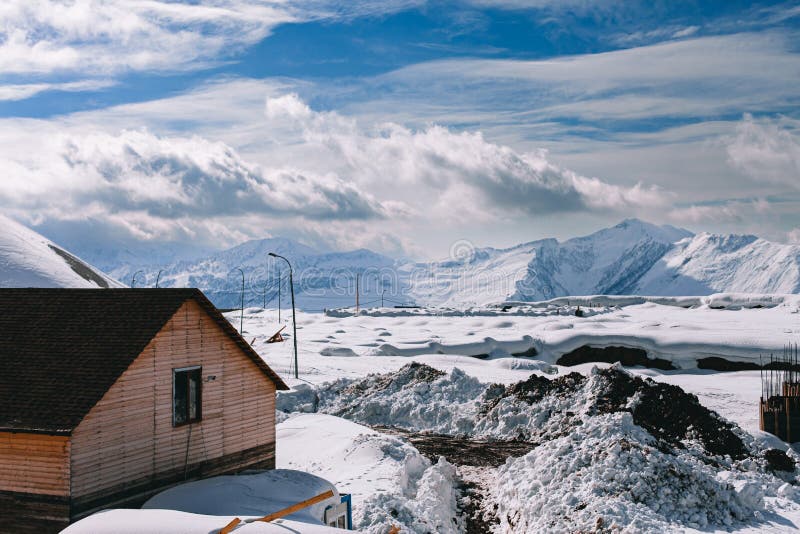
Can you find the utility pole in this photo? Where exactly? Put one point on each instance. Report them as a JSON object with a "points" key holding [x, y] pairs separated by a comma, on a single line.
{"points": [[159, 277], [241, 312], [358, 277], [294, 315], [280, 283], [382, 292], [133, 280]]}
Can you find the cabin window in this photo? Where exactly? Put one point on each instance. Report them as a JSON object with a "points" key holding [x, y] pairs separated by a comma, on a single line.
{"points": [[187, 388]]}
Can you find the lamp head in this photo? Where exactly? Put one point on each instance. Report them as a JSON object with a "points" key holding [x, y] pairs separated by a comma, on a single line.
{"points": [[272, 254]]}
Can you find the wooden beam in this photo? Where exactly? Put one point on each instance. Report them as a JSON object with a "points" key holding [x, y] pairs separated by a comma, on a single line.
{"points": [[295, 507], [227, 529]]}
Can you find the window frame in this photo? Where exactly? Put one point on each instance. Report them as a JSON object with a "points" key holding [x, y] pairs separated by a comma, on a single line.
{"points": [[199, 400]]}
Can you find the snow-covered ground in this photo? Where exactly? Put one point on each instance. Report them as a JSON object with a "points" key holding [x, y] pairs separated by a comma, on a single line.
{"points": [[338, 349], [341, 344]]}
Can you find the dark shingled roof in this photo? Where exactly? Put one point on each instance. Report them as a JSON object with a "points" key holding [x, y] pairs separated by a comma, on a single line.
{"points": [[62, 349]]}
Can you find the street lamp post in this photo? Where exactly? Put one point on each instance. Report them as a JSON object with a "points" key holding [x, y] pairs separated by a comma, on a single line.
{"points": [[294, 317], [133, 279]]}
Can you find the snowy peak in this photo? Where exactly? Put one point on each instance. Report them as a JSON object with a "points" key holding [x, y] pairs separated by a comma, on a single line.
{"points": [[710, 263], [636, 229], [610, 261], [28, 259]]}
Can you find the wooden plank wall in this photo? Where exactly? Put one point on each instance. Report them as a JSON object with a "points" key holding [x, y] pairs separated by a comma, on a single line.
{"points": [[129, 435], [34, 463]]}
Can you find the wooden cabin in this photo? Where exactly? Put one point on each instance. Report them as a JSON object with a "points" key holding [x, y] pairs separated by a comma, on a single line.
{"points": [[108, 396]]}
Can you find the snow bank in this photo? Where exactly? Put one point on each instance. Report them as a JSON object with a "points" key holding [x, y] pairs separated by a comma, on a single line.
{"points": [[729, 301], [173, 522], [389, 480], [256, 494], [564, 306]]}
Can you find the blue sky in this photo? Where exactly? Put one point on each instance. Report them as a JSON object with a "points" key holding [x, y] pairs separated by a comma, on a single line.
{"points": [[350, 124]]}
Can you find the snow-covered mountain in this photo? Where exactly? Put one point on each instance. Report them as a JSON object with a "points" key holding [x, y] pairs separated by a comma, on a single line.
{"points": [[709, 263], [28, 259], [321, 279], [633, 257], [611, 261]]}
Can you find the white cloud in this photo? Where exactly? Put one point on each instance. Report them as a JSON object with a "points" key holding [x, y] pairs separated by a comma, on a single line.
{"points": [[44, 36], [22, 91], [320, 171], [437, 159], [793, 236], [160, 187], [697, 77], [723, 212], [767, 150], [286, 106], [105, 37]]}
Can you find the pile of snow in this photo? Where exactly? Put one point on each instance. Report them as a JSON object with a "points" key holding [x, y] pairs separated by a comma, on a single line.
{"points": [[610, 474], [28, 259], [390, 482], [613, 448], [256, 494], [173, 522]]}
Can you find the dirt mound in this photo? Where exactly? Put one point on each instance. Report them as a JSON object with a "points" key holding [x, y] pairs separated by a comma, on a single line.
{"points": [[533, 390], [777, 460], [667, 412]]}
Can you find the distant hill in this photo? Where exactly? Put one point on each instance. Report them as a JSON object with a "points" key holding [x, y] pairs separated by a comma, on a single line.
{"points": [[28, 259]]}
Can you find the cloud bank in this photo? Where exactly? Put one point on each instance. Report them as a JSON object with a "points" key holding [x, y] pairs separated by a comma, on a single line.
{"points": [[381, 179]]}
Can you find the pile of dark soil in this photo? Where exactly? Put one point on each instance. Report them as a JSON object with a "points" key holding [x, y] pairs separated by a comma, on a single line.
{"points": [[777, 460], [668, 413], [534, 389]]}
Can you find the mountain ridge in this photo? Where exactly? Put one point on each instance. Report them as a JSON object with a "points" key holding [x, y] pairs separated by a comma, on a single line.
{"points": [[632, 257]]}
